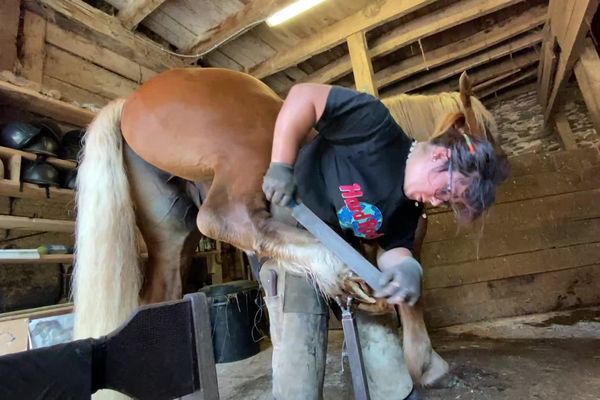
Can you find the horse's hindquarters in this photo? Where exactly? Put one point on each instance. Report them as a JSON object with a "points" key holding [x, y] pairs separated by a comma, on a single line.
{"points": [[191, 122]]}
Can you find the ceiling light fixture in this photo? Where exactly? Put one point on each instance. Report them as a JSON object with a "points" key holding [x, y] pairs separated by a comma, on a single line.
{"points": [[291, 11]]}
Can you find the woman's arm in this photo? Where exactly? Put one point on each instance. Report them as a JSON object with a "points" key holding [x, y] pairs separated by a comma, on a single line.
{"points": [[301, 110]]}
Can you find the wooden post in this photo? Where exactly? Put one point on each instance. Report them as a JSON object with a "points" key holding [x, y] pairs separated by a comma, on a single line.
{"points": [[10, 11], [34, 46], [587, 72], [569, 22], [564, 131], [361, 63]]}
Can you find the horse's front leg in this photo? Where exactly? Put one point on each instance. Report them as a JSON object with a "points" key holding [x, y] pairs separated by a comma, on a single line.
{"points": [[423, 363]]}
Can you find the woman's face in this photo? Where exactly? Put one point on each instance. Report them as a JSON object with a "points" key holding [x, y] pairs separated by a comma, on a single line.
{"points": [[427, 181]]}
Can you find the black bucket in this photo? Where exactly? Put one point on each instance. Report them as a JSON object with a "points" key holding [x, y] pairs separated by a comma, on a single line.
{"points": [[232, 311]]}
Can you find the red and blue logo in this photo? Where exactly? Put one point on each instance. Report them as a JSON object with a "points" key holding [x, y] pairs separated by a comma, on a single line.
{"points": [[364, 219]]}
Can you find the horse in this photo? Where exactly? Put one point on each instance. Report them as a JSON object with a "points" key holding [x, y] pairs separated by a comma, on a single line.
{"points": [[184, 156]]}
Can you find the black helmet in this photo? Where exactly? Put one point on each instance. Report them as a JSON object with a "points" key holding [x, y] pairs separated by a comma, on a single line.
{"points": [[40, 173], [41, 137], [70, 179], [71, 144]]}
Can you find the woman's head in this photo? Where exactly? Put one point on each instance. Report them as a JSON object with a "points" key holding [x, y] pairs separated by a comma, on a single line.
{"points": [[456, 168]]}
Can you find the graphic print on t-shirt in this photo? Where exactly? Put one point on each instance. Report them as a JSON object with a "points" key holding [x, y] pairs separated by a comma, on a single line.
{"points": [[363, 218]]}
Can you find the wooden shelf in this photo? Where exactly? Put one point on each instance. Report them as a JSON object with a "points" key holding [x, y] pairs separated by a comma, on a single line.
{"points": [[11, 188], [36, 224], [7, 152], [44, 105], [45, 259]]}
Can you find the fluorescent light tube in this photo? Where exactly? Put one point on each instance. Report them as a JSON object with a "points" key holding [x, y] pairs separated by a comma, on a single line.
{"points": [[291, 11]]}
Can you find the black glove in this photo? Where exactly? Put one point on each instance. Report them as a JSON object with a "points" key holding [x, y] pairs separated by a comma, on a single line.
{"points": [[278, 183], [401, 283]]}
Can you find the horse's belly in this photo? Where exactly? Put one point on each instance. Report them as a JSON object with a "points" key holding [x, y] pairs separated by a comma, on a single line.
{"points": [[190, 122]]}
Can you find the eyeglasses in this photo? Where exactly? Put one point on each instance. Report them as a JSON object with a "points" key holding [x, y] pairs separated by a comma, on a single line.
{"points": [[445, 194]]}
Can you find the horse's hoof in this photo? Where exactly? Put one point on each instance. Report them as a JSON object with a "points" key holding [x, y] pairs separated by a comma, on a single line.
{"points": [[415, 394], [437, 369]]}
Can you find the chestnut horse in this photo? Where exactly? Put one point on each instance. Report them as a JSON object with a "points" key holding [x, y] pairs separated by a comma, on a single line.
{"points": [[184, 155]]}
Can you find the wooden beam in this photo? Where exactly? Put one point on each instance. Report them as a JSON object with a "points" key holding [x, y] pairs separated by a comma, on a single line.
{"points": [[418, 28], [106, 30], [368, 18], [361, 63], [36, 224], [510, 93], [10, 12], [463, 48], [253, 12], [548, 60], [81, 73], [35, 102], [136, 10], [453, 69], [518, 78], [88, 50], [34, 47], [564, 132], [570, 25], [491, 71], [587, 72]]}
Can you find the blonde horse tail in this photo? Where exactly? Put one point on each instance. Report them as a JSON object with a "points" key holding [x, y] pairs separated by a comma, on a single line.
{"points": [[107, 277]]}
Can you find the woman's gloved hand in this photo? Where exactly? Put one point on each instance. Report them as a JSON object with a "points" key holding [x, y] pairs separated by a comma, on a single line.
{"points": [[401, 283], [278, 183]]}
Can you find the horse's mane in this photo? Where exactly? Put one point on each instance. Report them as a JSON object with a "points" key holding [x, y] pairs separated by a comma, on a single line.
{"points": [[419, 115]]}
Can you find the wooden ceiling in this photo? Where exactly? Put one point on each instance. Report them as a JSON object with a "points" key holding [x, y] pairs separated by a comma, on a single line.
{"points": [[415, 45]]}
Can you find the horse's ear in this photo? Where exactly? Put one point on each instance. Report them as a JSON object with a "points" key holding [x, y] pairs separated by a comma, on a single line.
{"points": [[464, 83]]}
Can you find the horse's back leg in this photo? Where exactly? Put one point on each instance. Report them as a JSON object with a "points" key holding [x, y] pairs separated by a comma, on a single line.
{"points": [[166, 217], [234, 211]]}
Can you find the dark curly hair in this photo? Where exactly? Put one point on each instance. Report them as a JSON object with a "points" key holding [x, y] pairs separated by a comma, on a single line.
{"points": [[481, 161]]}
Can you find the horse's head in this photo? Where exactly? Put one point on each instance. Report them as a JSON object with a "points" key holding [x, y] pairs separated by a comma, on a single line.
{"points": [[421, 116]]}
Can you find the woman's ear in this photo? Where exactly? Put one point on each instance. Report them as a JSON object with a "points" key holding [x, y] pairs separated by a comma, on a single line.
{"points": [[440, 153]]}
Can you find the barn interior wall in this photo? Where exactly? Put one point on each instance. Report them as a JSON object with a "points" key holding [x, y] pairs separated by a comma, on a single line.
{"points": [[537, 250], [521, 123]]}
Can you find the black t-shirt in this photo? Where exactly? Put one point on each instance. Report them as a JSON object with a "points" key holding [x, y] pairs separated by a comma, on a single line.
{"points": [[351, 175]]}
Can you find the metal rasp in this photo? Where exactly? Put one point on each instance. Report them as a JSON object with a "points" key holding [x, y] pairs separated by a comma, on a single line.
{"points": [[330, 239]]}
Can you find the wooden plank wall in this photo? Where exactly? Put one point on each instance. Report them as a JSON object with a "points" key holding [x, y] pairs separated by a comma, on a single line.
{"points": [[78, 68], [538, 249]]}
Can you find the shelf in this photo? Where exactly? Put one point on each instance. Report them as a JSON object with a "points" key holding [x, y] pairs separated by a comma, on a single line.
{"points": [[7, 152], [31, 191], [36, 224], [39, 312], [45, 259], [44, 105]]}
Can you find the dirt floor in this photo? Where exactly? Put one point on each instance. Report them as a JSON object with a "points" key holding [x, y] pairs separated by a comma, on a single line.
{"points": [[481, 368]]}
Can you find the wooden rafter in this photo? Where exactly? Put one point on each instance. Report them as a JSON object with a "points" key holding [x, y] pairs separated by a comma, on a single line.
{"points": [[481, 58], [587, 72], [135, 11], [569, 24], [463, 48], [361, 63], [253, 12], [373, 15], [106, 30], [512, 81], [484, 77], [414, 30]]}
